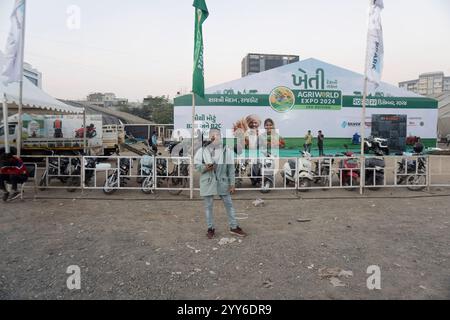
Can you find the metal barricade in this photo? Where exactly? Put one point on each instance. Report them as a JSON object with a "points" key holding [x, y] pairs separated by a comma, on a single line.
{"points": [[172, 174], [439, 171]]}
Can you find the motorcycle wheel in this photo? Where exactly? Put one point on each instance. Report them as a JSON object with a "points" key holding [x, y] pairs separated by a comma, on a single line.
{"points": [[176, 183], [107, 187], [73, 182], [267, 186], [324, 182], [414, 180], [43, 182], [303, 185], [355, 182], [147, 185]]}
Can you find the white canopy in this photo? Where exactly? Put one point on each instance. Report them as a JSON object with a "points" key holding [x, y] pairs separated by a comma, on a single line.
{"points": [[34, 99]]}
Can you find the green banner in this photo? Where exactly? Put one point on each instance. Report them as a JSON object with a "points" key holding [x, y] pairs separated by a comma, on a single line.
{"points": [[391, 102], [198, 80], [283, 100]]}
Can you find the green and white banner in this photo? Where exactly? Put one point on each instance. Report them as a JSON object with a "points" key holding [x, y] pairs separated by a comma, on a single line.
{"points": [[307, 95], [198, 80]]}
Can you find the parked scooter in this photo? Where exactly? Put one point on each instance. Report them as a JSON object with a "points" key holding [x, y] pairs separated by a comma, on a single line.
{"points": [[145, 169], [263, 166], [113, 181], [376, 145], [412, 173], [240, 169], [349, 171], [305, 173], [302, 172]]}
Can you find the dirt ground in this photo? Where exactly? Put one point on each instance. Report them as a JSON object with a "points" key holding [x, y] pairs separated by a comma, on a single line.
{"points": [[156, 248]]}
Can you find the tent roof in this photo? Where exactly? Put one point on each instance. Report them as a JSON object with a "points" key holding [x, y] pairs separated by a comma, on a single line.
{"points": [[34, 99], [347, 81], [444, 112]]}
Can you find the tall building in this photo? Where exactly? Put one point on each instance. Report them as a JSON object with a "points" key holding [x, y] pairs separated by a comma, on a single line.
{"points": [[259, 62], [32, 74], [428, 83]]}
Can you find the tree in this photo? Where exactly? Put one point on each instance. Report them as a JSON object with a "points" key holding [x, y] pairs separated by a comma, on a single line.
{"points": [[157, 109]]}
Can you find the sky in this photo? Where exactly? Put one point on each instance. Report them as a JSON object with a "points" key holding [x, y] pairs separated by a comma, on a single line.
{"points": [[137, 48]]}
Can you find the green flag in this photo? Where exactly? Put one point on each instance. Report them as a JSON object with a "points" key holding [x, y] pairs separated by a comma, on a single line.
{"points": [[198, 80]]}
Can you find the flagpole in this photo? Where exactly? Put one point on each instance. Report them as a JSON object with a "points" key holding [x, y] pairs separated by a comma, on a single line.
{"points": [[191, 187], [363, 115], [5, 124], [363, 129], [22, 53]]}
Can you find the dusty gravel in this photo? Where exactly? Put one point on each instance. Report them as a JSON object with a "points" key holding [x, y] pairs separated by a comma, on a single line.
{"points": [[157, 248]]}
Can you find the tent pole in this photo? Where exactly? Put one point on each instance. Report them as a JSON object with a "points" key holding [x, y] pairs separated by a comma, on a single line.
{"points": [[5, 124], [19, 134], [84, 131], [191, 187]]}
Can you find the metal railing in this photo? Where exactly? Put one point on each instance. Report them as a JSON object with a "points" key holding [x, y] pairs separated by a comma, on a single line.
{"points": [[150, 174]]}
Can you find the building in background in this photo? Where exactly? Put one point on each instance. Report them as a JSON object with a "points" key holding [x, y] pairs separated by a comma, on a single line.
{"points": [[259, 62], [428, 83], [106, 100], [32, 74]]}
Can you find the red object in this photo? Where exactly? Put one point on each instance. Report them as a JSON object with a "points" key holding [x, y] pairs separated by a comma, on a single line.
{"points": [[79, 133], [57, 124], [346, 173], [411, 140], [15, 167]]}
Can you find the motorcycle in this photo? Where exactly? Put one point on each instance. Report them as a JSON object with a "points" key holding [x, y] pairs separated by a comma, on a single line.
{"points": [[91, 132], [58, 168], [377, 145], [178, 177], [374, 173], [89, 168], [263, 173], [112, 181], [322, 169], [412, 173]]}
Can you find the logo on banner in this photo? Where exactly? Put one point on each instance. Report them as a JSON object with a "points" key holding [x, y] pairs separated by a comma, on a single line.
{"points": [[282, 99]]}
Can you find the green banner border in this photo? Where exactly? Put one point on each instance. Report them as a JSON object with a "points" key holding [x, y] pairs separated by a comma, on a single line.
{"points": [[262, 100]]}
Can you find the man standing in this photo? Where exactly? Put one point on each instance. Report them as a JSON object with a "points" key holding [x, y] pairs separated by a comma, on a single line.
{"points": [[215, 163], [308, 141], [155, 142], [320, 138]]}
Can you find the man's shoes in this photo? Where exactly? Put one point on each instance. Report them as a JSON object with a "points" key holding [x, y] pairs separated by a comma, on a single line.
{"points": [[5, 196], [238, 231], [14, 196], [211, 233]]}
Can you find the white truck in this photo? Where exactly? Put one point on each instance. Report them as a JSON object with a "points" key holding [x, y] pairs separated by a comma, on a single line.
{"points": [[62, 134]]}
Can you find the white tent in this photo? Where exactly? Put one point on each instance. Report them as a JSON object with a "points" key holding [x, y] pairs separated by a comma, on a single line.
{"points": [[34, 99]]}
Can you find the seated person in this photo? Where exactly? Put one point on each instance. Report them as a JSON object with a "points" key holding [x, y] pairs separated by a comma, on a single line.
{"points": [[418, 146], [14, 172]]}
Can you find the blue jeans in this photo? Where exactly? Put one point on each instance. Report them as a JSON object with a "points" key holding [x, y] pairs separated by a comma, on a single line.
{"points": [[209, 203]]}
